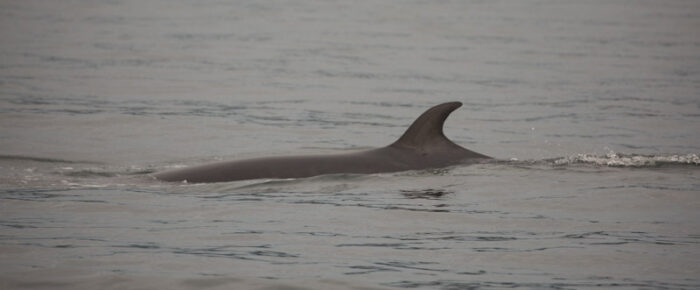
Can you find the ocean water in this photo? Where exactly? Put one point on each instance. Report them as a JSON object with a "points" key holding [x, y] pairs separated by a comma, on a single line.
{"points": [[591, 109]]}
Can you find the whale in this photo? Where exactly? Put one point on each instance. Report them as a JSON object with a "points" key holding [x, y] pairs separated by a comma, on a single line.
{"points": [[422, 146]]}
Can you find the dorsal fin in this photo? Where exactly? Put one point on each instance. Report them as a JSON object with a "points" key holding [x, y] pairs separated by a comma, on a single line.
{"points": [[427, 129]]}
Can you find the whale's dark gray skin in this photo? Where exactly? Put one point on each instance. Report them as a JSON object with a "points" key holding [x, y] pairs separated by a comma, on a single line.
{"points": [[422, 146]]}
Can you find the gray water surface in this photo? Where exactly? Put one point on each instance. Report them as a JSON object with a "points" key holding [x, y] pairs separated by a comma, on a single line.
{"points": [[591, 108]]}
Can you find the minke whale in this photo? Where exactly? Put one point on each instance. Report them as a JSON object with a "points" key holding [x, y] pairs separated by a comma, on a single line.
{"points": [[422, 146]]}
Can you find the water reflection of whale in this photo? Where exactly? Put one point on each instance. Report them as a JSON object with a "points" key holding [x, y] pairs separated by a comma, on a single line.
{"points": [[423, 145]]}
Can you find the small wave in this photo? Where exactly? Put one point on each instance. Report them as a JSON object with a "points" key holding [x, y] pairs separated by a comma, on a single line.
{"points": [[92, 172], [40, 159], [434, 194], [623, 160], [88, 173], [256, 183]]}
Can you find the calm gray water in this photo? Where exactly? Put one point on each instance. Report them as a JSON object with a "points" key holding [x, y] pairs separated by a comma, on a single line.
{"points": [[592, 109]]}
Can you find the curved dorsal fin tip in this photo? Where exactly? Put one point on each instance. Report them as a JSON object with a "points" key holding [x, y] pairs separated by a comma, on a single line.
{"points": [[427, 128]]}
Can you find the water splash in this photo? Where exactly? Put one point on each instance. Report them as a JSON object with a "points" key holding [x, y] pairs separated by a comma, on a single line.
{"points": [[622, 160]]}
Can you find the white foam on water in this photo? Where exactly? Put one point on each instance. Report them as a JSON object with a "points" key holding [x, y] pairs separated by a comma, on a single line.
{"points": [[621, 160]]}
